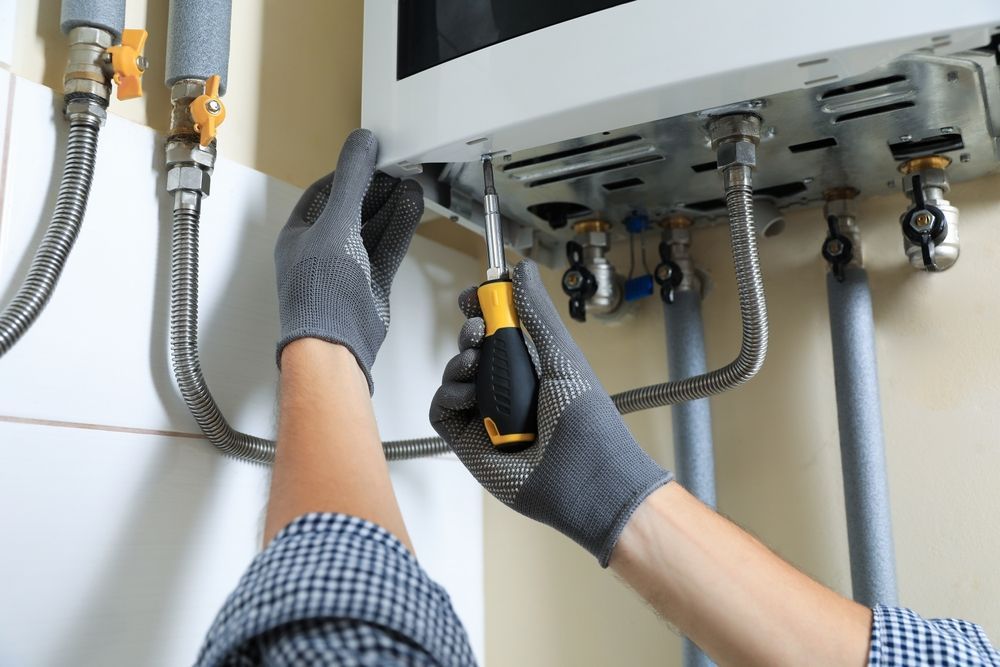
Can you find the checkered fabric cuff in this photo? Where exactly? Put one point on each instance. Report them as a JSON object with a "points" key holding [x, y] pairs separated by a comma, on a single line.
{"points": [[901, 637], [341, 590]]}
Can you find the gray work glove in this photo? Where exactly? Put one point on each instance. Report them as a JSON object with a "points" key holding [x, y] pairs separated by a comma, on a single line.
{"points": [[337, 255], [585, 475]]}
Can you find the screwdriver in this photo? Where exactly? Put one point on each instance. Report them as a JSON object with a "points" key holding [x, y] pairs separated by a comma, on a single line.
{"points": [[506, 385]]}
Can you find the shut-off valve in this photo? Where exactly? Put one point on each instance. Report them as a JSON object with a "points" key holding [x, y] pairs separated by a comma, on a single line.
{"points": [[930, 224], [590, 282]]}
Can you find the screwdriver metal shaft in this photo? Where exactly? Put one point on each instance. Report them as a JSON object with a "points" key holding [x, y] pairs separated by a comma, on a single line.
{"points": [[497, 263]]}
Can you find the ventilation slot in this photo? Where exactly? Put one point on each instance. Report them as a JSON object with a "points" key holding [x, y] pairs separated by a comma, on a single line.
{"points": [[873, 111], [864, 85], [828, 142], [621, 185], [579, 173], [570, 152], [783, 190], [904, 150], [704, 166], [707, 205], [776, 191]]}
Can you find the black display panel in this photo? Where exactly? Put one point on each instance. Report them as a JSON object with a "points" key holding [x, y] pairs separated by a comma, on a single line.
{"points": [[432, 32]]}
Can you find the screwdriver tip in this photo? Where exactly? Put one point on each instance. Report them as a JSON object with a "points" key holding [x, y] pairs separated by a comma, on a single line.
{"points": [[488, 174]]}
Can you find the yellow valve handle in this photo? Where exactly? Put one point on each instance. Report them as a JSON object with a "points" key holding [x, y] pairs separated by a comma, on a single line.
{"points": [[128, 63], [208, 111]]}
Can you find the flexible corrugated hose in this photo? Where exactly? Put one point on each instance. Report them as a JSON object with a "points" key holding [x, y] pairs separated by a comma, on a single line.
{"points": [[753, 313], [54, 249], [187, 364]]}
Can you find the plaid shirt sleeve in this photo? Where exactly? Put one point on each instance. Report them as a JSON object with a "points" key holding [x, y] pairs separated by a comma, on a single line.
{"points": [[901, 637], [332, 589]]}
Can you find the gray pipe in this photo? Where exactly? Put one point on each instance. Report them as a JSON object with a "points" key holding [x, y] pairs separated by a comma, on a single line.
{"points": [[104, 14], [694, 460], [198, 40], [862, 454]]}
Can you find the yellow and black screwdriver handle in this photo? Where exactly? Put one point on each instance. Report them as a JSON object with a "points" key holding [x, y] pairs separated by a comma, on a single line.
{"points": [[506, 385]]}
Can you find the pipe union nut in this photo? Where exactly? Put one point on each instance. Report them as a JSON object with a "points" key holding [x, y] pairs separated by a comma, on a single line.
{"points": [[185, 152], [595, 240], [82, 109], [187, 177], [732, 153], [734, 127], [930, 178]]}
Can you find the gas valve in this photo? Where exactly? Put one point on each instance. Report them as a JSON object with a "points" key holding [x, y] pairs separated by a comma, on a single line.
{"points": [[128, 63], [930, 224], [591, 282]]}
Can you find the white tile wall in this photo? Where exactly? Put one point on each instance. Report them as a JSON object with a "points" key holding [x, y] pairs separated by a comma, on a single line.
{"points": [[126, 539]]}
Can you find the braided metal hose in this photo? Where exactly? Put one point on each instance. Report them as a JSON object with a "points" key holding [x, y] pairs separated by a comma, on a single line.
{"points": [[50, 258], [753, 313], [187, 365]]}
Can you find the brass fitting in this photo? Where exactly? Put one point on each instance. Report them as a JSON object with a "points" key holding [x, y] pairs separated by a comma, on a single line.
{"points": [[588, 226], [87, 77]]}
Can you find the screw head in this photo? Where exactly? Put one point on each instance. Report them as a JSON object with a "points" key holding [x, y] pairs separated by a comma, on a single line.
{"points": [[213, 106], [834, 247], [952, 76], [142, 63], [922, 221], [965, 157]]}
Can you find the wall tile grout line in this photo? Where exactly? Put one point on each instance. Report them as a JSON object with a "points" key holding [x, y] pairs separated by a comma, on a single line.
{"points": [[5, 157], [97, 427], [31, 421]]}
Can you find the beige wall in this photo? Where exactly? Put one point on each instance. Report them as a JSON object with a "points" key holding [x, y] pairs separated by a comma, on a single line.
{"points": [[280, 51], [776, 439]]}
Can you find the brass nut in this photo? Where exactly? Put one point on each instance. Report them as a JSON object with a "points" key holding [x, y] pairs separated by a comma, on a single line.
{"points": [[185, 177], [846, 192], [676, 222], [923, 163], [594, 225]]}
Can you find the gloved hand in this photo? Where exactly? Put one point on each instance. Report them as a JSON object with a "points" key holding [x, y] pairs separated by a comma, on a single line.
{"points": [[337, 255], [585, 475]]}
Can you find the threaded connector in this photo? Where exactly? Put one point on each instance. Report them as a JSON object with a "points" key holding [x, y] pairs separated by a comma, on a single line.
{"points": [[87, 80]]}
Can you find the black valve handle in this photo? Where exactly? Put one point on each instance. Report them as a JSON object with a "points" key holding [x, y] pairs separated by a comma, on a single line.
{"points": [[667, 274], [926, 236], [578, 283]]}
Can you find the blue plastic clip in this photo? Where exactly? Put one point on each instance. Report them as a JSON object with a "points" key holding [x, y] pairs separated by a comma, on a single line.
{"points": [[638, 288], [636, 223], [641, 286]]}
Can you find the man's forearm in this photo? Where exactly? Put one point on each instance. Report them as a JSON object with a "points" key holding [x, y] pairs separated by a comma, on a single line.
{"points": [[731, 595], [329, 457]]}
